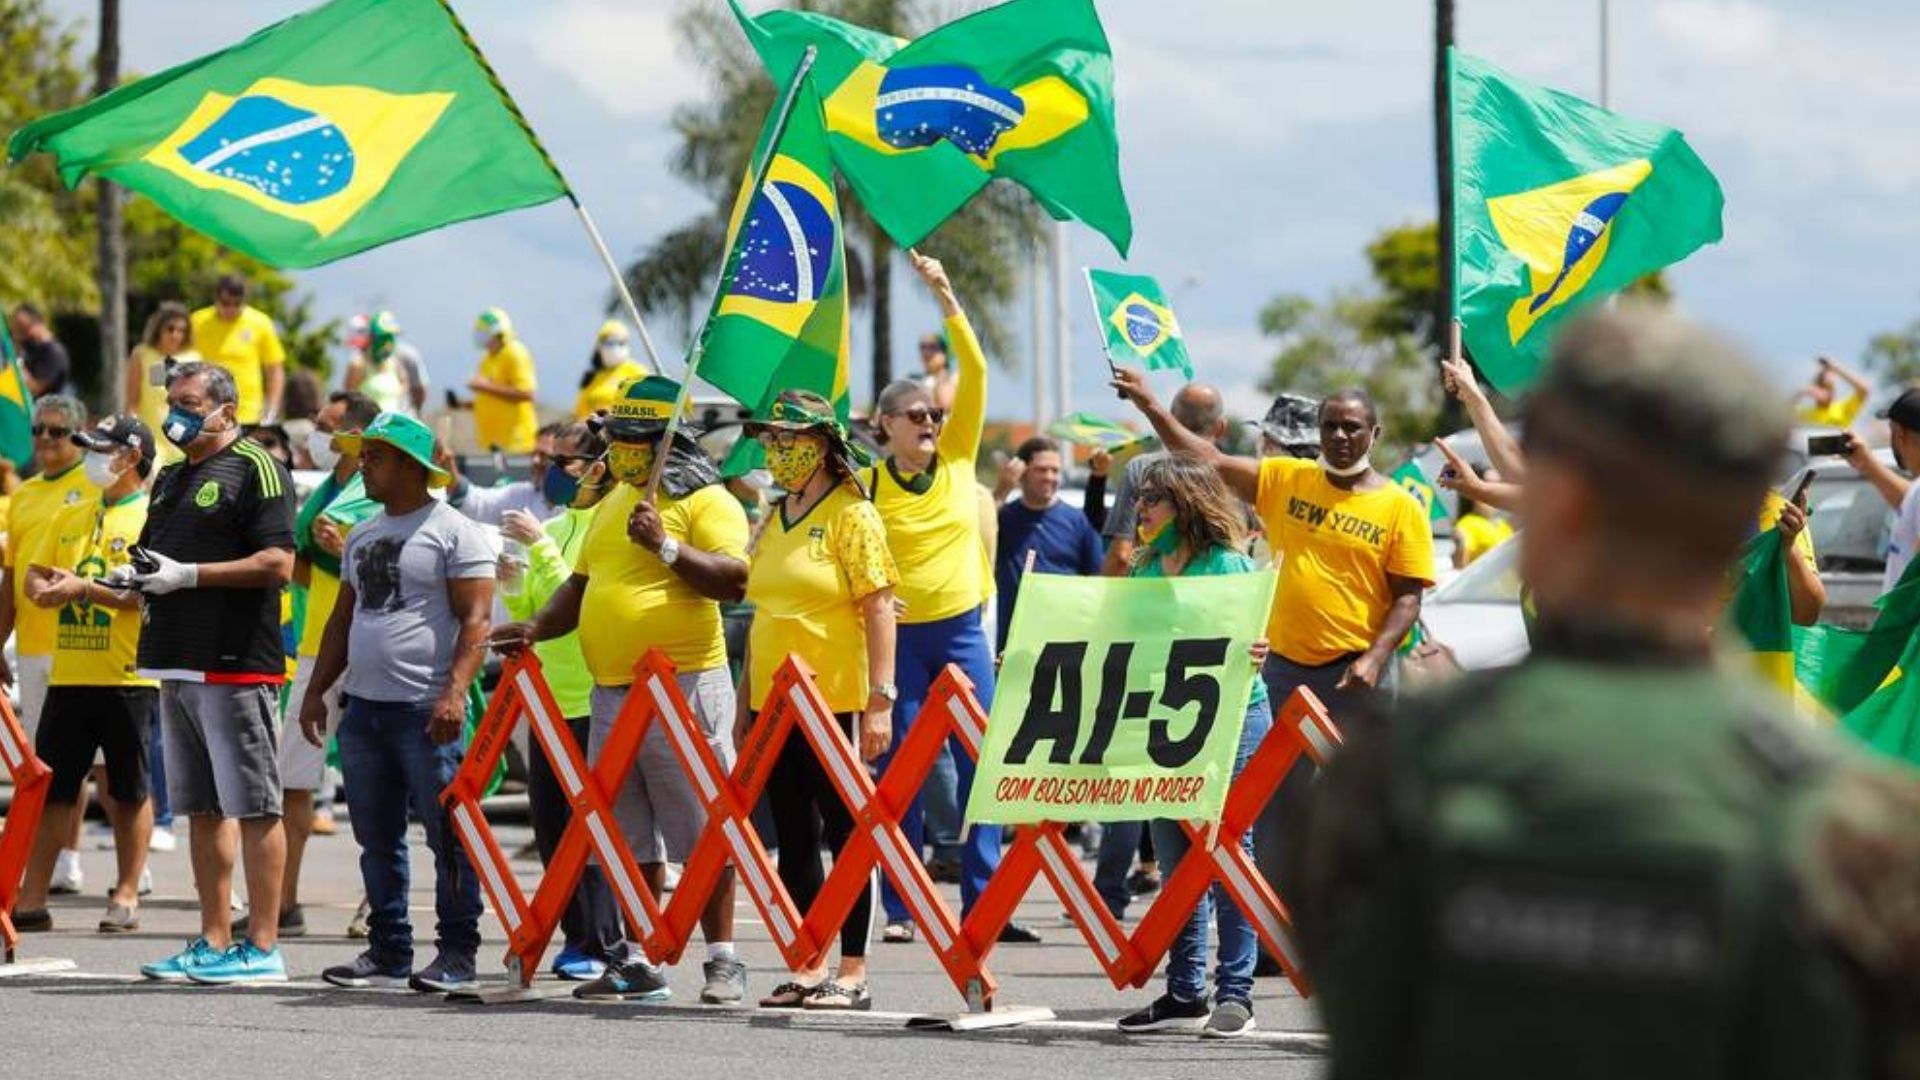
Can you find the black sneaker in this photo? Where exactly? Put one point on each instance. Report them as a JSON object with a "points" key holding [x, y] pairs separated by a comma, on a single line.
{"points": [[33, 922], [726, 982], [368, 971], [1015, 934], [1142, 883], [634, 980], [293, 923], [1230, 1020], [449, 973], [1167, 1013]]}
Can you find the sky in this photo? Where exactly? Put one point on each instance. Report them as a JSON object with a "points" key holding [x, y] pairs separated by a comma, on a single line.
{"points": [[1263, 142]]}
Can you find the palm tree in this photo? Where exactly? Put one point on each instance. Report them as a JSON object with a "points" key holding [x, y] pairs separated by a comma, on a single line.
{"points": [[983, 245]]}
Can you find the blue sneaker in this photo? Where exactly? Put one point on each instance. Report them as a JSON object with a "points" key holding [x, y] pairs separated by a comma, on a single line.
{"points": [[245, 962], [576, 966], [174, 968], [450, 973]]}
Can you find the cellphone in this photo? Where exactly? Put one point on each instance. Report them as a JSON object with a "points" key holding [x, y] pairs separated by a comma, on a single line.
{"points": [[1829, 445], [1800, 489]]}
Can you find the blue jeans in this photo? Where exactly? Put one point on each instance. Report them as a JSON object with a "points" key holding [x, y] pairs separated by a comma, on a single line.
{"points": [[922, 651], [391, 767], [1239, 946], [943, 810]]}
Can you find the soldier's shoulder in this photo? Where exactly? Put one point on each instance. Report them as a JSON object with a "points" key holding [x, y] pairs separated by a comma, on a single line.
{"points": [[1854, 846]]}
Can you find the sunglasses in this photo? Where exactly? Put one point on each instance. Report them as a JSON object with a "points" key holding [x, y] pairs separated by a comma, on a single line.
{"points": [[920, 414], [51, 431], [1150, 498]]}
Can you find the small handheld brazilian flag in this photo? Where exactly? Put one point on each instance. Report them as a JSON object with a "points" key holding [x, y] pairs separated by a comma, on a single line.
{"points": [[1137, 321], [340, 129], [1558, 203], [1413, 479], [1099, 433], [16, 405]]}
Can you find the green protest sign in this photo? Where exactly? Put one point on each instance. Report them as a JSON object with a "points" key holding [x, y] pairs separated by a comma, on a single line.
{"points": [[1120, 698]]}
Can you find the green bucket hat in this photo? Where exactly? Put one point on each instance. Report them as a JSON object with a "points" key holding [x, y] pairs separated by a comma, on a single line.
{"points": [[804, 410], [405, 434], [644, 408]]}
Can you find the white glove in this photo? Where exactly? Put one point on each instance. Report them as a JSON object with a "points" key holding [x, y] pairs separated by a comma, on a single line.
{"points": [[170, 576]]}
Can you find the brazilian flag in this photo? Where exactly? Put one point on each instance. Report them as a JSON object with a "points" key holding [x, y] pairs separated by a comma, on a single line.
{"points": [[1558, 203], [16, 405], [340, 129], [779, 320], [1137, 320], [1099, 433], [1761, 612], [1413, 480], [1021, 91]]}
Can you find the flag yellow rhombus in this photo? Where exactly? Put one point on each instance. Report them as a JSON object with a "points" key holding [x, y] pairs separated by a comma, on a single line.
{"points": [[1561, 232]]}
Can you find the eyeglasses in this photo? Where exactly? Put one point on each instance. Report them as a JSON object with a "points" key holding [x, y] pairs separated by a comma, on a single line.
{"points": [[1150, 498], [920, 414], [51, 431], [779, 437]]}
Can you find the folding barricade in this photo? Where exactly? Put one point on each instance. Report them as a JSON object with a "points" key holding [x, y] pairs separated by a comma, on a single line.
{"points": [[31, 778]]}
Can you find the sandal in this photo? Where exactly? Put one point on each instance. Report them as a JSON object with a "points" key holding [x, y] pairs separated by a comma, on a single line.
{"points": [[897, 933], [788, 995], [835, 996]]}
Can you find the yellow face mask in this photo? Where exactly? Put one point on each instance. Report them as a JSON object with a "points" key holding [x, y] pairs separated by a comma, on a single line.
{"points": [[793, 464], [631, 464]]}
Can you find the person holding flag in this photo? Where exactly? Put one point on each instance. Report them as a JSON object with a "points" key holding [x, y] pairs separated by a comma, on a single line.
{"points": [[925, 492]]}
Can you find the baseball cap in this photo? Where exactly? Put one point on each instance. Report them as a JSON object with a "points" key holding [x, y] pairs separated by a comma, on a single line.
{"points": [[1905, 410], [644, 407], [117, 433], [403, 433]]}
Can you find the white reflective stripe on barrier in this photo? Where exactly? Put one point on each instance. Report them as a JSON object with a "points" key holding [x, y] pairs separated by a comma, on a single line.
{"points": [[827, 734], [1316, 738], [1075, 897], [963, 725], [887, 842], [550, 738], [14, 758], [1258, 912], [757, 882], [496, 886], [709, 790], [616, 872]]}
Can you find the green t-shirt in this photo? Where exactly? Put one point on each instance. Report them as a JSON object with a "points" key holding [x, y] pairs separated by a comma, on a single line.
{"points": [[1215, 560]]}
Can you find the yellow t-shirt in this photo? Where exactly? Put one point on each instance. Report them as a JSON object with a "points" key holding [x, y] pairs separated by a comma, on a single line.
{"points": [[1335, 550], [1835, 414], [152, 407], [1770, 509], [805, 586], [96, 645], [935, 535], [246, 346], [323, 591], [509, 425], [30, 536], [1476, 535], [635, 602], [604, 389]]}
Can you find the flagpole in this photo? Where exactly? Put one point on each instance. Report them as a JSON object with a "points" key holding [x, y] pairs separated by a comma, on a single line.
{"points": [[1093, 298], [760, 170], [593, 233]]}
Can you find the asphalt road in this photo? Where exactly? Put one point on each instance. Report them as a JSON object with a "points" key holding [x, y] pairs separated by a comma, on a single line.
{"points": [[102, 1020]]}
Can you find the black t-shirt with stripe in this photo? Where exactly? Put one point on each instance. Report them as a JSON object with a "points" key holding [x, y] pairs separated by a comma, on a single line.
{"points": [[232, 505]]}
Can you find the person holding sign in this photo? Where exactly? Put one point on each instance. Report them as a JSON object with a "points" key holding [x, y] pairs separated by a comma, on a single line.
{"points": [[925, 493], [821, 585], [1191, 526]]}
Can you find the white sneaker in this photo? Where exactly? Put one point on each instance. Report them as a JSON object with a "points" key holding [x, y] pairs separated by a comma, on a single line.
{"points": [[164, 842], [146, 881], [67, 878]]}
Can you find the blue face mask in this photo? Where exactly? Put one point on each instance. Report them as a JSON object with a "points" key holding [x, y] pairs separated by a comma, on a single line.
{"points": [[558, 488], [182, 427]]}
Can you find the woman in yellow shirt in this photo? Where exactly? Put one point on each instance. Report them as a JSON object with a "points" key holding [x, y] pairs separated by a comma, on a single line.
{"points": [[611, 367], [167, 337], [821, 584], [927, 495]]}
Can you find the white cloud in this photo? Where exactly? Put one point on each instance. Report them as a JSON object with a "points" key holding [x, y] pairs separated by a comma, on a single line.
{"points": [[625, 55], [1728, 31]]}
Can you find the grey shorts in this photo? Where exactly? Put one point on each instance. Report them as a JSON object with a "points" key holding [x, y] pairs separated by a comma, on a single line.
{"points": [[222, 746], [657, 808]]}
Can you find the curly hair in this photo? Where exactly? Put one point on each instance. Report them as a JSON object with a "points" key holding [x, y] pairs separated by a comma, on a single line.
{"points": [[1204, 511]]}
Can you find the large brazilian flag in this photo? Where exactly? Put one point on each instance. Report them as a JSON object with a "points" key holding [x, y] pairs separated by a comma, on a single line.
{"points": [[16, 406], [1761, 610], [1021, 91], [1558, 203], [779, 319], [340, 129]]}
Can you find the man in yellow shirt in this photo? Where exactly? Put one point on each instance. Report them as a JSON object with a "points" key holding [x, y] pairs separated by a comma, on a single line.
{"points": [[1823, 406], [241, 339], [503, 390], [652, 576], [97, 702]]}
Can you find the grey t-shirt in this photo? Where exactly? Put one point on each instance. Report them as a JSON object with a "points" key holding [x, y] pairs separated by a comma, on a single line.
{"points": [[1122, 518], [400, 647]]}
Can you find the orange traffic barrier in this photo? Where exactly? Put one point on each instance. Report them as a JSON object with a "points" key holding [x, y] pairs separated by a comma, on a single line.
{"points": [[31, 777]]}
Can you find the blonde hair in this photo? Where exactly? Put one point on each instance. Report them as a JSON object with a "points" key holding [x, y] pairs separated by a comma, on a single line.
{"points": [[1205, 513]]}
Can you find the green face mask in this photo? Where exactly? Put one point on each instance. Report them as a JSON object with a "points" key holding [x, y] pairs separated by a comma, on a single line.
{"points": [[1163, 541]]}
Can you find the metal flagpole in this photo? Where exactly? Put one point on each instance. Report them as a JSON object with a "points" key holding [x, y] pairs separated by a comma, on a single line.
{"points": [[1606, 48], [760, 170], [1063, 324], [1037, 271], [1094, 299]]}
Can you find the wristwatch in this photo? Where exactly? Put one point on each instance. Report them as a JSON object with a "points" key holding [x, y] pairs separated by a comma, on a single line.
{"points": [[669, 551], [887, 690]]}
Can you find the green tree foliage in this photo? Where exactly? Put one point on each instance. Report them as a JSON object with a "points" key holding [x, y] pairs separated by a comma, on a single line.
{"points": [[1340, 343], [984, 246], [1895, 354]]}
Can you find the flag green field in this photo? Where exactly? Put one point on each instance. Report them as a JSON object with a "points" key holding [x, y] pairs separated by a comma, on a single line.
{"points": [[1137, 321], [1413, 479], [345, 127], [1022, 91], [1558, 203], [16, 405]]}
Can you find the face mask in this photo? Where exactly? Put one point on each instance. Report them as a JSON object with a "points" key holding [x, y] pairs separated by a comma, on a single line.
{"points": [[1350, 471], [183, 427], [613, 353], [482, 338], [320, 449], [593, 486], [558, 488], [1164, 540], [793, 465], [100, 470], [630, 464]]}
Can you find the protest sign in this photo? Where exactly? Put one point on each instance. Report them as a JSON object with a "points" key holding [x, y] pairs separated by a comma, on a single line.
{"points": [[1120, 699]]}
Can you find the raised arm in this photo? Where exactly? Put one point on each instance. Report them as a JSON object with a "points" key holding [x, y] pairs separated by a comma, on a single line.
{"points": [[1502, 449], [1241, 474], [960, 438]]}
